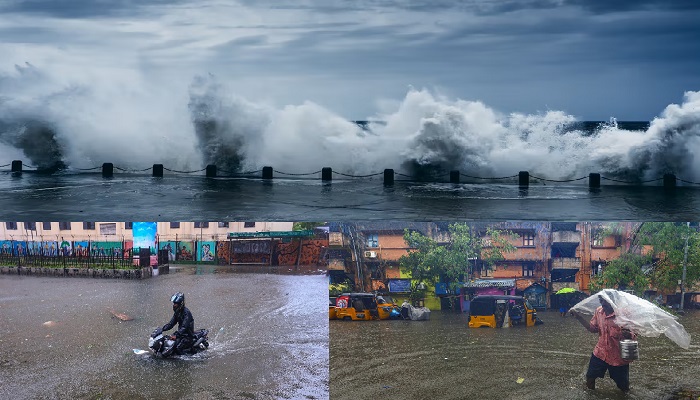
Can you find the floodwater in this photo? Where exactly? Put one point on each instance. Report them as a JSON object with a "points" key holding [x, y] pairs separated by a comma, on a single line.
{"points": [[176, 198], [445, 359], [268, 337]]}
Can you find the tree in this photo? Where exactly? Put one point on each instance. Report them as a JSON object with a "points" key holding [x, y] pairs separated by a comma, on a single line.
{"points": [[668, 241], [662, 268], [306, 226], [428, 261], [624, 273]]}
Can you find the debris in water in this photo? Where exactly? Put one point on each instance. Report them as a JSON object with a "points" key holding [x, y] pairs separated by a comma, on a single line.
{"points": [[121, 316], [49, 323], [520, 380]]}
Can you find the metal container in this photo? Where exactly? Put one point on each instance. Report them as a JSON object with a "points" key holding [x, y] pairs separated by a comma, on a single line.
{"points": [[629, 349]]}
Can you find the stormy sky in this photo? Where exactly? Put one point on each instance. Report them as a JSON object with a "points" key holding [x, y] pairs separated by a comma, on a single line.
{"points": [[594, 59]]}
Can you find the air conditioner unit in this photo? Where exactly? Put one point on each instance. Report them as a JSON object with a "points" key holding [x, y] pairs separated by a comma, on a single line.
{"points": [[370, 254]]}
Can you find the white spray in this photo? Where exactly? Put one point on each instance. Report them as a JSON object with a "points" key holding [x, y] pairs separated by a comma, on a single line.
{"points": [[137, 125]]}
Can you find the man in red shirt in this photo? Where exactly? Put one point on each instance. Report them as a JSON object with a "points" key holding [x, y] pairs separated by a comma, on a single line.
{"points": [[606, 354]]}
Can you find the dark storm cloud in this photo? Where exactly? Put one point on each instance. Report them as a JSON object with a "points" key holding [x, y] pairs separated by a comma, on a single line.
{"points": [[608, 6], [81, 8]]}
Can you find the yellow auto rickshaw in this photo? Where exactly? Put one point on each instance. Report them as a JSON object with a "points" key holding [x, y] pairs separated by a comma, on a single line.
{"points": [[356, 307], [500, 311], [385, 306], [331, 308]]}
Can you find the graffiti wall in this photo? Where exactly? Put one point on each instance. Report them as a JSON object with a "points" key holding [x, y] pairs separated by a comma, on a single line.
{"points": [[289, 253], [223, 252]]}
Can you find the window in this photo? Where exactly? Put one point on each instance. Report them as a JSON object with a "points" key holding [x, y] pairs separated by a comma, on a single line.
{"points": [[11, 226], [598, 242], [46, 226], [128, 225], [174, 225], [528, 239], [108, 229], [249, 224], [64, 226], [223, 224], [372, 240], [528, 269], [89, 226], [486, 271], [201, 225], [30, 226]]}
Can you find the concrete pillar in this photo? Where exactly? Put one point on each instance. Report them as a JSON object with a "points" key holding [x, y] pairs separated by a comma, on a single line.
{"points": [[594, 181], [524, 178], [158, 170], [388, 176], [327, 174], [669, 180], [454, 176], [107, 170], [267, 173], [17, 166]]}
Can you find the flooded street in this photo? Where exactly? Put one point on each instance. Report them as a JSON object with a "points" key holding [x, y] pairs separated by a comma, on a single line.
{"points": [[443, 358], [268, 337]]}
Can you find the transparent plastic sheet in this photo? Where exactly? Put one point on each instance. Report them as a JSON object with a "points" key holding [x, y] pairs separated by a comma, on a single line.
{"points": [[640, 316]]}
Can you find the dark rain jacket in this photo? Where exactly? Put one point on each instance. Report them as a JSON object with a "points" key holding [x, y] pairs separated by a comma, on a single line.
{"points": [[185, 323]]}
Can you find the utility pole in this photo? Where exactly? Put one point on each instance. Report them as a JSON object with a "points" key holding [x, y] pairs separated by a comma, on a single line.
{"points": [[685, 262]]}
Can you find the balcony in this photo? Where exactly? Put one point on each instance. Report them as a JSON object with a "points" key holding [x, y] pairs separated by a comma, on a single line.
{"points": [[566, 237], [565, 263], [335, 239]]}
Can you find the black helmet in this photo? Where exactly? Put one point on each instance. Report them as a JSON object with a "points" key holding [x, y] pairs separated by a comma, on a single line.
{"points": [[178, 300]]}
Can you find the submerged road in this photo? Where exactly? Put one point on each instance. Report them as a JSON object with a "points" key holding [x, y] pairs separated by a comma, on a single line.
{"points": [[445, 359], [60, 340]]}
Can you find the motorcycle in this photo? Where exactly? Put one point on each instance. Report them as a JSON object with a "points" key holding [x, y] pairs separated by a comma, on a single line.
{"points": [[161, 344]]}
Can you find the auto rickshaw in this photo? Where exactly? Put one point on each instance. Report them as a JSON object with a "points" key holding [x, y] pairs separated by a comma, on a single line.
{"points": [[356, 307], [385, 307], [331, 308], [500, 311]]}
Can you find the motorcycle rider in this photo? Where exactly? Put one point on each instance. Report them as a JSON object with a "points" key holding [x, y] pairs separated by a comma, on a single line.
{"points": [[183, 317]]}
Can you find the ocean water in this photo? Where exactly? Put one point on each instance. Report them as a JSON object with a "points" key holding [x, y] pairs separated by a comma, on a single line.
{"points": [[63, 134]]}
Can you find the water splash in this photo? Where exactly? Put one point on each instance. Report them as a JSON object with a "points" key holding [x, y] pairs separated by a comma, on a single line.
{"points": [[59, 124]]}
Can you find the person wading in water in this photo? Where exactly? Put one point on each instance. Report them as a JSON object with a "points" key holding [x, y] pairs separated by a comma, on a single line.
{"points": [[606, 354]]}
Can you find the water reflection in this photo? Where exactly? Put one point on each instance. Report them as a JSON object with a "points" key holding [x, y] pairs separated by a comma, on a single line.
{"points": [[269, 337], [443, 358]]}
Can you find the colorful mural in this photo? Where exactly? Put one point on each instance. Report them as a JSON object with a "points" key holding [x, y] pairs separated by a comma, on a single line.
{"points": [[185, 251], [106, 249], [81, 248], [205, 251], [170, 246], [20, 248], [66, 248], [49, 248], [145, 235]]}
